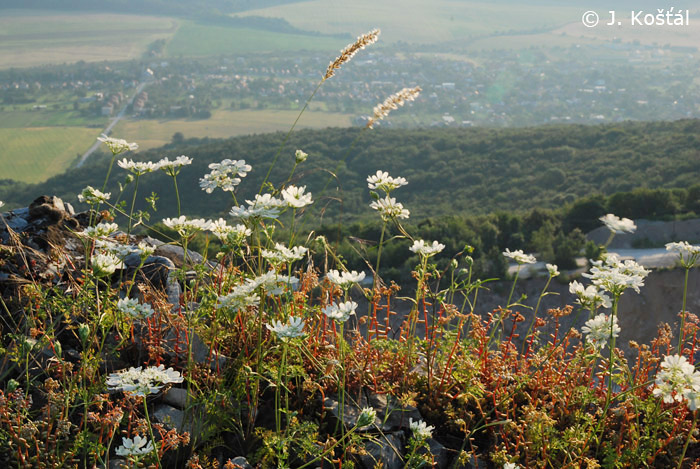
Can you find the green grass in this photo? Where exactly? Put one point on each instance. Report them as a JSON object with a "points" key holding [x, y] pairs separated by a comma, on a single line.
{"points": [[34, 154], [197, 40], [413, 21], [46, 118], [43, 37], [154, 133]]}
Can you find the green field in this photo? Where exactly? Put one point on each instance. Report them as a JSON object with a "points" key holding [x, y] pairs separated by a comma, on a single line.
{"points": [[414, 21], [198, 40], [223, 124], [34, 154], [43, 37]]}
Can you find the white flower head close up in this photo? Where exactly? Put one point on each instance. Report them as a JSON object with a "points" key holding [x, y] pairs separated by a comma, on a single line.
{"points": [[282, 254], [420, 429], [300, 156], [553, 270], [389, 208], [132, 307], [139, 446], [172, 168], [597, 330], [117, 145], [142, 382], [225, 175], [104, 264], [295, 197], [228, 234], [264, 206], [367, 417], [519, 256], [138, 168], [382, 181], [424, 249], [589, 297], [294, 328], [100, 230], [618, 225], [185, 227], [92, 196], [676, 380], [340, 312], [345, 279], [240, 298], [616, 276], [688, 253]]}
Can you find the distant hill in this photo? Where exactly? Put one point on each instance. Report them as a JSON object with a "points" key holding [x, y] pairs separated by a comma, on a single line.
{"points": [[450, 171]]}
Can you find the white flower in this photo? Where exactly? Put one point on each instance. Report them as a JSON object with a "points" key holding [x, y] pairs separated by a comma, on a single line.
{"points": [[519, 256], [389, 208], [676, 380], [117, 145], [172, 168], [142, 382], [382, 181], [229, 234], [223, 175], [688, 253], [239, 299], [272, 282], [104, 264], [597, 330], [617, 225], [426, 250], [345, 279], [264, 206], [367, 417], [138, 167], [100, 230], [340, 312], [132, 307], [510, 465], [92, 196], [553, 270], [420, 429], [615, 276], [185, 227], [282, 254], [139, 446], [2, 203], [287, 331], [300, 156], [589, 297], [295, 197]]}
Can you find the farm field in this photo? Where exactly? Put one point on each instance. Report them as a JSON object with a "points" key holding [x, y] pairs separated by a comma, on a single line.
{"points": [[199, 40], [33, 154], [223, 124], [444, 21], [44, 37]]}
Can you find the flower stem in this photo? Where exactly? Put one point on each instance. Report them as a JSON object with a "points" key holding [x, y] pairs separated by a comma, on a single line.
{"points": [[150, 431], [687, 440], [681, 334]]}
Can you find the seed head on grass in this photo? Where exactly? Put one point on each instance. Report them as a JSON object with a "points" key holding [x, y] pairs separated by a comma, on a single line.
{"points": [[393, 102], [350, 50]]}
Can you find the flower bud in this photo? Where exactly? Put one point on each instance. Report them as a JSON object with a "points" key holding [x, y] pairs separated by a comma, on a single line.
{"points": [[300, 156], [83, 332], [366, 417]]}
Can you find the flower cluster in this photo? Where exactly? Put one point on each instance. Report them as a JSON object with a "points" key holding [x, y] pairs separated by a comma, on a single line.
{"points": [[617, 225], [117, 145], [172, 168], [382, 181], [104, 264], [553, 270], [139, 168], [688, 253], [244, 295], [420, 429], [239, 299], [264, 206], [519, 256], [225, 175], [589, 297], [295, 328], [598, 330], [139, 446], [294, 196], [131, 307], [389, 208], [100, 230], [345, 279], [677, 380], [615, 276], [143, 381], [233, 235], [92, 196], [282, 254], [300, 156], [340, 312], [425, 249], [185, 227]]}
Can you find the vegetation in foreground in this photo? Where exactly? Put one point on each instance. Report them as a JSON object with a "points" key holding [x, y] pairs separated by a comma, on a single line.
{"points": [[278, 303]]}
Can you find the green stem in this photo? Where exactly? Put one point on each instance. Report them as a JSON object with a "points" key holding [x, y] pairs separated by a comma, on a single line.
{"points": [[681, 335], [177, 195], [687, 440], [150, 431], [131, 211]]}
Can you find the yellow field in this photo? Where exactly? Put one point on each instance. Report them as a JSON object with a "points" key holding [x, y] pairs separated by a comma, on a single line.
{"points": [[414, 21], [154, 133], [39, 38], [34, 154]]}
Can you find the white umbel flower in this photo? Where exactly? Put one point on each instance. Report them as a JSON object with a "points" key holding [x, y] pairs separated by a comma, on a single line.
{"points": [[597, 330], [92, 196], [132, 307], [225, 175], [264, 206], [139, 446], [617, 224], [172, 168], [294, 196], [100, 230], [117, 145], [282, 254], [519, 256], [104, 264], [139, 168], [389, 208], [185, 227], [425, 249], [677, 379], [589, 297], [382, 181], [294, 328], [229, 234], [345, 279], [616, 276], [688, 253], [420, 429], [142, 382], [340, 312], [300, 156], [553, 270]]}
